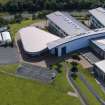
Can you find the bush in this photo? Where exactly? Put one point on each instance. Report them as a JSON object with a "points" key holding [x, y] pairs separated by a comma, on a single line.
{"points": [[18, 18], [76, 57], [3, 22], [57, 67]]}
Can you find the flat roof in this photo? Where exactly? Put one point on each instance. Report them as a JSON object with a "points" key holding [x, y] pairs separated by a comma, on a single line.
{"points": [[67, 23], [101, 65], [71, 38], [34, 39], [6, 36], [100, 42], [99, 14], [2, 29]]}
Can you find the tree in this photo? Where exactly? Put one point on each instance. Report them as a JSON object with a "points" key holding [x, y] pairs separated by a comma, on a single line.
{"points": [[76, 57], [3, 22], [74, 68], [34, 16], [18, 18]]}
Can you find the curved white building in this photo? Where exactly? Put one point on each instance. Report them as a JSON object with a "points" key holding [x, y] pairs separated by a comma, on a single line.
{"points": [[34, 40]]}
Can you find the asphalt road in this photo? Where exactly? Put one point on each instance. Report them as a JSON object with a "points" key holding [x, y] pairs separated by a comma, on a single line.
{"points": [[8, 55]]}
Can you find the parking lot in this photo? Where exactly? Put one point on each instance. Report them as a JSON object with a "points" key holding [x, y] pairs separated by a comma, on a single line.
{"points": [[8, 55], [36, 73]]}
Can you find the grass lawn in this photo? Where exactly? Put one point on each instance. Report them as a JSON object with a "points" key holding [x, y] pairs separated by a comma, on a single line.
{"points": [[92, 81], [14, 28], [84, 90], [9, 68], [18, 91], [90, 78]]}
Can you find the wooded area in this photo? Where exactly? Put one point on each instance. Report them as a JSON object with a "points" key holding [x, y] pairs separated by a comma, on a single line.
{"points": [[37, 5]]}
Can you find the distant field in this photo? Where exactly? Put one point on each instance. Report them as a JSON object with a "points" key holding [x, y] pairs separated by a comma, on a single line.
{"points": [[4, 1]]}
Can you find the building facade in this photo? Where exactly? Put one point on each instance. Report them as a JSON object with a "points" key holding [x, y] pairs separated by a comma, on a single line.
{"points": [[99, 70], [95, 23], [53, 28], [97, 18], [69, 44], [98, 47]]}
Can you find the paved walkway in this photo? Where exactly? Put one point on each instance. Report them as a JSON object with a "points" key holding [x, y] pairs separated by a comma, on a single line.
{"points": [[91, 89], [82, 61], [71, 84], [72, 94]]}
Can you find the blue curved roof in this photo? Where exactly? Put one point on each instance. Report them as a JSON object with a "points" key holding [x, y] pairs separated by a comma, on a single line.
{"points": [[69, 38]]}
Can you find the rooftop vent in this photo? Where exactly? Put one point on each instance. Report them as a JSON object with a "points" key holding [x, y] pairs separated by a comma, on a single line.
{"points": [[67, 19], [96, 30], [70, 22], [58, 14]]}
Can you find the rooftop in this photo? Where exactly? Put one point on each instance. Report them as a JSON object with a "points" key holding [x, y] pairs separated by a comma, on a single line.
{"points": [[100, 42], [67, 23], [6, 36], [99, 14], [35, 40], [101, 65]]}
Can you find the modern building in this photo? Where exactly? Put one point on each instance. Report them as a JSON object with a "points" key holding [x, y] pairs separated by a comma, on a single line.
{"points": [[98, 46], [97, 18], [35, 41], [69, 44], [99, 70], [65, 25]]}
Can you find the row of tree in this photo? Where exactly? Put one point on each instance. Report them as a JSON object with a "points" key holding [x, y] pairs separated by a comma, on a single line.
{"points": [[36, 5]]}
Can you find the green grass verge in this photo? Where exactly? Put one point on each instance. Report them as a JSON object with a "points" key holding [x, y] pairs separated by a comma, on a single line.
{"points": [[18, 91], [84, 90], [9, 68], [61, 81], [90, 78], [14, 28], [4, 1]]}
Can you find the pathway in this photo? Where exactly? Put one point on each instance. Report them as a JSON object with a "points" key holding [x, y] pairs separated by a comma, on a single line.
{"points": [[71, 84]]}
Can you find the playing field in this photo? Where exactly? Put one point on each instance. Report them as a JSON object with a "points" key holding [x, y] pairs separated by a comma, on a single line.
{"points": [[18, 91]]}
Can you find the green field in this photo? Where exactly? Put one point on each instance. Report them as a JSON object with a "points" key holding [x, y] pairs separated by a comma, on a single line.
{"points": [[18, 91], [90, 78], [84, 90]]}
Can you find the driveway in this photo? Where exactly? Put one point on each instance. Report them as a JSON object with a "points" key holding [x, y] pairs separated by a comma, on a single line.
{"points": [[36, 73]]}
